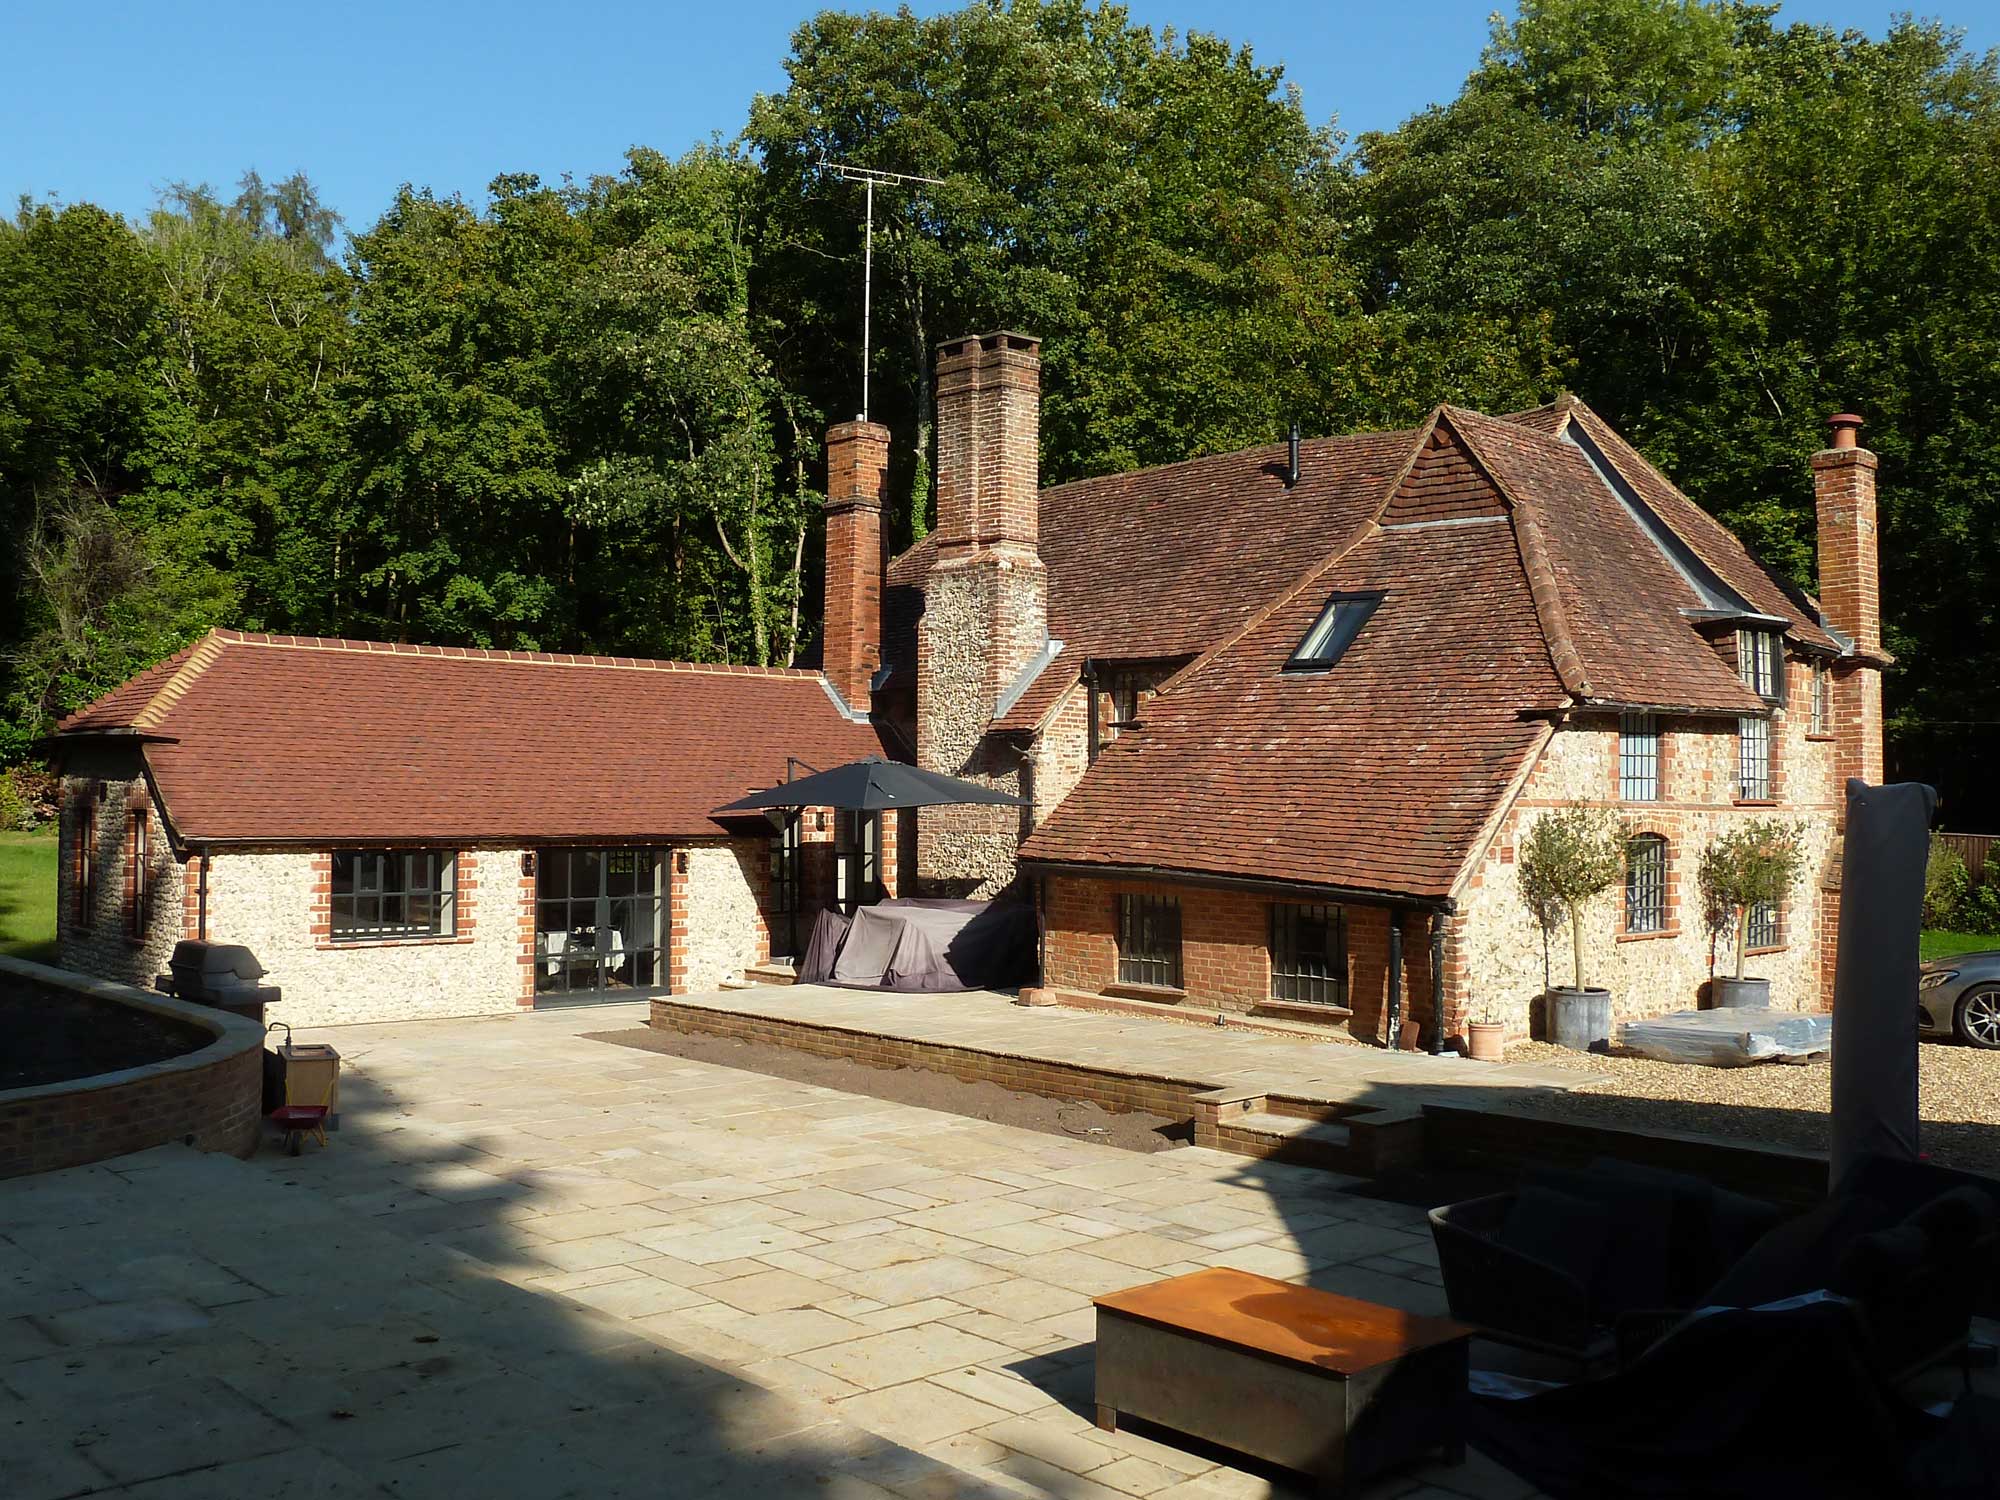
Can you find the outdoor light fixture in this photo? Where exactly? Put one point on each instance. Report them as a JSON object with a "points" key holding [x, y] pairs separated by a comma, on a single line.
{"points": [[528, 862], [681, 861]]}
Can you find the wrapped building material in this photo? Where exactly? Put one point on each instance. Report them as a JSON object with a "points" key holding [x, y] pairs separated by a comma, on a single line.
{"points": [[1729, 1038]]}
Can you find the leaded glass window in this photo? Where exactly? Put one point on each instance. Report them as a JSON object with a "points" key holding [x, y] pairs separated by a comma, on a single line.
{"points": [[1759, 662], [1308, 953], [1762, 926], [1149, 940], [1646, 884], [1639, 758], [1753, 759]]}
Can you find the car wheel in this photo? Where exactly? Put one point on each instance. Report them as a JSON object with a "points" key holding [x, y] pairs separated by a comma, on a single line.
{"points": [[1979, 1018]]}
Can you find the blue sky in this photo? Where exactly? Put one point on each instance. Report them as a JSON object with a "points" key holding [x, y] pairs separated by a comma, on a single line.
{"points": [[110, 102]]}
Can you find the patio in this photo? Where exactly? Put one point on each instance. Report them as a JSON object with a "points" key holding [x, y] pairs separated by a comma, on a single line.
{"points": [[544, 1265]]}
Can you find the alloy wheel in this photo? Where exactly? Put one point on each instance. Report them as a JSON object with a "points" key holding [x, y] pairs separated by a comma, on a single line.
{"points": [[1979, 1018]]}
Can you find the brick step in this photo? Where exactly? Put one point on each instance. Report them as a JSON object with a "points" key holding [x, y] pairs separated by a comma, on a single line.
{"points": [[1291, 1138], [773, 973]]}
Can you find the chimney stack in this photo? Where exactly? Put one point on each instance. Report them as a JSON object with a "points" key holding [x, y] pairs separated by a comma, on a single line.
{"points": [[857, 461], [1850, 594], [989, 399]]}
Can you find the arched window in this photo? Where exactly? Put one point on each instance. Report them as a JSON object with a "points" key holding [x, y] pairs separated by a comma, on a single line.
{"points": [[1646, 884]]}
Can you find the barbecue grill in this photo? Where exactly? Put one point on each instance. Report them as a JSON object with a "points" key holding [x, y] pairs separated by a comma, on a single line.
{"points": [[223, 975]]}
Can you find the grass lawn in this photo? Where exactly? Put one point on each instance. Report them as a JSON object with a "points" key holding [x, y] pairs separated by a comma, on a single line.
{"points": [[28, 895], [1946, 944]]}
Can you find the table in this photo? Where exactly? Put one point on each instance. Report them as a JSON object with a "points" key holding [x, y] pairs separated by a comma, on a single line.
{"points": [[1330, 1386]]}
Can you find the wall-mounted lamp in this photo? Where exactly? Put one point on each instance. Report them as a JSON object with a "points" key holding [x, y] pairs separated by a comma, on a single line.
{"points": [[681, 861], [528, 863]]}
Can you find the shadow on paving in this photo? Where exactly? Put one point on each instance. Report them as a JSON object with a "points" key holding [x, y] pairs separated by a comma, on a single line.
{"points": [[181, 1325]]}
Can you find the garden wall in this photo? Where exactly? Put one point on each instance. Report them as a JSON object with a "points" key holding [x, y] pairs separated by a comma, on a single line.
{"points": [[210, 1098]]}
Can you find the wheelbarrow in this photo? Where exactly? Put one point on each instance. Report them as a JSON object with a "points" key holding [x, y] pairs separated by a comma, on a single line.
{"points": [[299, 1121]]}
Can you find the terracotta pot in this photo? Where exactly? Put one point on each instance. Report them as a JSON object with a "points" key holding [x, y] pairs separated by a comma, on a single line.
{"points": [[1486, 1041]]}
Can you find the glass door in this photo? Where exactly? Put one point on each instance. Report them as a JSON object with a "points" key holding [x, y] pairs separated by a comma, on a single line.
{"points": [[598, 917], [787, 862], [857, 859]]}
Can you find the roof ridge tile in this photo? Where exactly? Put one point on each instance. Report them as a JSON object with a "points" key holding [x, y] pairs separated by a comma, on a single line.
{"points": [[482, 653]]}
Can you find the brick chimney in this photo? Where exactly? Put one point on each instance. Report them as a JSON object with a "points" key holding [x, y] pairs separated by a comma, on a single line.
{"points": [[985, 600], [1850, 594], [857, 459]]}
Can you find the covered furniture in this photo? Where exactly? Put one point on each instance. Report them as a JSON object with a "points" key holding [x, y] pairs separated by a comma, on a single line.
{"points": [[928, 946], [224, 975], [1326, 1385]]}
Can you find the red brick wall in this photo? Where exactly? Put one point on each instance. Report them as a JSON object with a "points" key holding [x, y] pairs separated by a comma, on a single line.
{"points": [[212, 1099], [1225, 950], [988, 443]]}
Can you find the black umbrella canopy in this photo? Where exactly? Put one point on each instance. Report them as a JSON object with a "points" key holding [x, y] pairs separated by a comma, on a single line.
{"points": [[873, 785]]}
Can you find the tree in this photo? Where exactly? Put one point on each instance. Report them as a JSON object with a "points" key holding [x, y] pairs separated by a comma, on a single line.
{"points": [[1751, 864], [1565, 860]]}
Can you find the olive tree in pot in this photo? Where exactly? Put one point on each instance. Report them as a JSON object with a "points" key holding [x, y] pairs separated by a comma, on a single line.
{"points": [[1753, 864], [1565, 861]]}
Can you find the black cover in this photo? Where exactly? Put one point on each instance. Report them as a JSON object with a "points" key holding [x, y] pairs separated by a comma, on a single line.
{"points": [[1875, 973], [1751, 1404], [924, 946], [873, 785]]}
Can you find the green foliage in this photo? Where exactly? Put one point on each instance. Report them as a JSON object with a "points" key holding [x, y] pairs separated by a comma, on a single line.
{"points": [[1945, 884], [1565, 861], [1752, 863], [1979, 910]]}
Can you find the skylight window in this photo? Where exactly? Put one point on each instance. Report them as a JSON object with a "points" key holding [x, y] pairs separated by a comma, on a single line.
{"points": [[1333, 632]]}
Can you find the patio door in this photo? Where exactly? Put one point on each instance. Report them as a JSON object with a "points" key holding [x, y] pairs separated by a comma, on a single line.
{"points": [[598, 916], [857, 859]]}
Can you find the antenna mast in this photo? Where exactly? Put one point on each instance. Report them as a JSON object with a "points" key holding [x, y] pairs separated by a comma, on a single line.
{"points": [[869, 177]]}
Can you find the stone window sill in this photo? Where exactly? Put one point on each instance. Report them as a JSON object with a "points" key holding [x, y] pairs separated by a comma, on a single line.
{"points": [[1647, 937], [1160, 992], [1822, 739], [1301, 1010], [1756, 802], [1762, 952], [341, 945]]}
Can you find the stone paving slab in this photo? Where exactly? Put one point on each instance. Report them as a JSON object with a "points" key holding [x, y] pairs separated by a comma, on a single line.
{"points": [[1208, 1057]]}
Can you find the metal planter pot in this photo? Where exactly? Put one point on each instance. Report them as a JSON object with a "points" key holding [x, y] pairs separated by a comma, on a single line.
{"points": [[1732, 994], [1580, 1019]]}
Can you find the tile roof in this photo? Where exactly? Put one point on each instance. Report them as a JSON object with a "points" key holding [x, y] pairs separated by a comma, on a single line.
{"points": [[280, 738], [1377, 774]]}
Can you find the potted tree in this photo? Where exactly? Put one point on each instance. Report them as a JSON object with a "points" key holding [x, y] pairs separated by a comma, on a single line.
{"points": [[1750, 865], [1566, 860]]}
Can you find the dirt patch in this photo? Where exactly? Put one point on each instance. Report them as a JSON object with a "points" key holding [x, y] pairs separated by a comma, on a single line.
{"points": [[1958, 1095], [55, 1038], [1131, 1131]]}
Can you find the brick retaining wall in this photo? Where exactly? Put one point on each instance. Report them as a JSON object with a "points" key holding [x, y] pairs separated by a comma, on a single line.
{"points": [[211, 1098]]}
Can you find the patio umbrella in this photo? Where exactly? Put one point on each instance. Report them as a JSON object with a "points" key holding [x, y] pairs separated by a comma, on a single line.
{"points": [[873, 785]]}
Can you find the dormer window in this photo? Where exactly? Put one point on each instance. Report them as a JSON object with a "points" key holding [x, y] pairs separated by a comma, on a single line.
{"points": [[1759, 662], [1333, 632]]}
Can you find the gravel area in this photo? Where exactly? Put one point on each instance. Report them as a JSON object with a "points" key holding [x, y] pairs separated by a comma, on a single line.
{"points": [[1780, 1103]]}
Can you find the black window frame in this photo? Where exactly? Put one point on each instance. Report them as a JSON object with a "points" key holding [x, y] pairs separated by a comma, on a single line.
{"points": [[1821, 718], [611, 905], [857, 859], [85, 833], [1760, 662], [1309, 954], [1341, 629], [1753, 759], [437, 892], [1646, 883], [1638, 757], [1763, 926], [135, 910], [1149, 940]]}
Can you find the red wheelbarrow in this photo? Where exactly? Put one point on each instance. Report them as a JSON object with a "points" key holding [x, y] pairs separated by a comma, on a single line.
{"points": [[299, 1121]]}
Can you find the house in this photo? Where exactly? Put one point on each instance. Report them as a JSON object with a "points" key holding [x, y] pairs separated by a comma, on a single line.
{"points": [[1279, 719], [1282, 716], [403, 832]]}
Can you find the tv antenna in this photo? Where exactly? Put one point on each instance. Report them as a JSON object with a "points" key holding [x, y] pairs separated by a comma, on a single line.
{"points": [[869, 177]]}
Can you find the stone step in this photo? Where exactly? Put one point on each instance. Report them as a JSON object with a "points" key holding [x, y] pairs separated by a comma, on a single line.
{"points": [[773, 973], [1318, 1143]]}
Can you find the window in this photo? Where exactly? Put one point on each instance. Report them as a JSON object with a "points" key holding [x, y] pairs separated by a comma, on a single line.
{"points": [[598, 928], [86, 858], [1822, 700], [857, 859], [1760, 662], [1639, 758], [135, 908], [391, 893], [1753, 759], [1308, 953], [1762, 928], [1149, 940], [787, 875], [1339, 622], [1646, 884]]}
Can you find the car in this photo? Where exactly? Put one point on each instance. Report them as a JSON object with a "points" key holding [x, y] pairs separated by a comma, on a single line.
{"points": [[1960, 996]]}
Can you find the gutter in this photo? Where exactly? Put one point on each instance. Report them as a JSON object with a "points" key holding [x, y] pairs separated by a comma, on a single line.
{"points": [[1342, 894]]}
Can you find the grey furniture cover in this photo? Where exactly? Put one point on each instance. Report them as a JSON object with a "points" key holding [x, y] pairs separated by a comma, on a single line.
{"points": [[924, 946]]}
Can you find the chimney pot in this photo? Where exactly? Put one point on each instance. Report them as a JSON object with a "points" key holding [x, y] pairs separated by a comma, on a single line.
{"points": [[1846, 427]]}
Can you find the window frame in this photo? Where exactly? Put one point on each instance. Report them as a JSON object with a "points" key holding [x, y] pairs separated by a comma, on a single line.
{"points": [[1646, 883], [442, 892], [84, 869], [139, 840], [1760, 663], [1639, 766], [857, 859], [1293, 980], [1763, 935], [1754, 779], [1339, 633], [1821, 718], [1148, 918], [607, 891]]}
